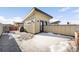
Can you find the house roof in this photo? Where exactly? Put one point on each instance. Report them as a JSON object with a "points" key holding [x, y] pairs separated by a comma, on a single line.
{"points": [[56, 22], [41, 11], [36, 9], [18, 23]]}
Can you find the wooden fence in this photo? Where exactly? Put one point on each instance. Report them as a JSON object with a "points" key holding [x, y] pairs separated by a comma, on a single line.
{"points": [[62, 29]]}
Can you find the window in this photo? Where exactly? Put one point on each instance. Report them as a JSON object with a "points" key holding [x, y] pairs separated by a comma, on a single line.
{"points": [[46, 23]]}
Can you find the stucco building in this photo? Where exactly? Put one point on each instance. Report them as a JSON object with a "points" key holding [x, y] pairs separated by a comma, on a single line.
{"points": [[34, 22]]}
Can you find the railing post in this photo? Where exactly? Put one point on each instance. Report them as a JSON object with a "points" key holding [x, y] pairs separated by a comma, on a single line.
{"points": [[77, 39]]}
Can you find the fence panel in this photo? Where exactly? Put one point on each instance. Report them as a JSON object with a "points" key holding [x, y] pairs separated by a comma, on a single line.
{"points": [[62, 29]]}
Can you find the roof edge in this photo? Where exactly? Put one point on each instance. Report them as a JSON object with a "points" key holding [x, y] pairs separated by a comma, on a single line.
{"points": [[35, 8]]}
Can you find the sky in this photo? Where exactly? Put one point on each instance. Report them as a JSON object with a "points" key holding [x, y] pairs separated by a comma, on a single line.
{"points": [[62, 14]]}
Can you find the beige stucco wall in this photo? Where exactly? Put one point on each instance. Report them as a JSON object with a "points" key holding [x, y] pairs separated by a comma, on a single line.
{"points": [[39, 16], [62, 29], [1, 29], [29, 27], [37, 27]]}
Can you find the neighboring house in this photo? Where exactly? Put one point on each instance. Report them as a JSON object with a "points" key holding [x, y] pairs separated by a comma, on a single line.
{"points": [[18, 25], [9, 27], [34, 22], [12, 27], [55, 22]]}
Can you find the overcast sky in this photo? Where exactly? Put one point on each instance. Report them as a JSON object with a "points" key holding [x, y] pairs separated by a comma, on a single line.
{"points": [[63, 14]]}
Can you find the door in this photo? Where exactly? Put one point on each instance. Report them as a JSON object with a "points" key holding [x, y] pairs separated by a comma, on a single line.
{"points": [[41, 26]]}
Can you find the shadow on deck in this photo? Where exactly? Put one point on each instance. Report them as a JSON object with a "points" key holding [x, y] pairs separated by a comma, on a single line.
{"points": [[56, 35], [8, 44]]}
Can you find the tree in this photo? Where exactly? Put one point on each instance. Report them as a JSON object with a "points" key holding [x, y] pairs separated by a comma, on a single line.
{"points": [[68, 22]]}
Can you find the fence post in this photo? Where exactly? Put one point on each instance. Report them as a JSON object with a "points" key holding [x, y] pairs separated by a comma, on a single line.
{"points": [[77, 39]]}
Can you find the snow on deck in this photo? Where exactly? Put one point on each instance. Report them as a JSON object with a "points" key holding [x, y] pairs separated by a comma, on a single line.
{"points": [[40, 42]]}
